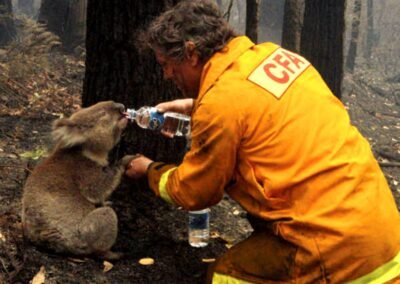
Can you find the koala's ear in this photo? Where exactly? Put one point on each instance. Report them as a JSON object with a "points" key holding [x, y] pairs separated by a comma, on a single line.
{"points": [[66, 133]]}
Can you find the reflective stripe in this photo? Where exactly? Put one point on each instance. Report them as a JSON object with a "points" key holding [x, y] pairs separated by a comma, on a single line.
{"points": [[226, 279], [162, 186], [382, 274]]}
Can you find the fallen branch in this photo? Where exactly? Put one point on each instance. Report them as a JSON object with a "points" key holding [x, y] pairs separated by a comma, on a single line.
{"points": [[388, 155], [379, 114], [389, 164], [16, 166]]}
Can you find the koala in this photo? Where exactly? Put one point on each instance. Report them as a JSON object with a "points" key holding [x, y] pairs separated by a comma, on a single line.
{"points": [[64, 203]]}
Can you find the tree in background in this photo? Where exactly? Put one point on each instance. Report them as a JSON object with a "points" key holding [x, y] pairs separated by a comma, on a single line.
{"points": [[25, 7], [252, 19], [52, 13], [65, 18], [292, 24], [75, 24], [370, 42], [115, 70], [7, 27], [354, 38], [315, 29], [322, 39]]}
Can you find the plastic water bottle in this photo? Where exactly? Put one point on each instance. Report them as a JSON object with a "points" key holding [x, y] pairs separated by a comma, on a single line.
{"points": [[173, 123], [199, 228]]}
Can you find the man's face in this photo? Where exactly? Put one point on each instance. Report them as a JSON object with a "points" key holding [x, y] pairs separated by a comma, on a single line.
{"points": [[185, 74]]}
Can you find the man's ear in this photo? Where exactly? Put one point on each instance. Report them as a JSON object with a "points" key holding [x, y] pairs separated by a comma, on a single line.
{"points": [[191, 53]]}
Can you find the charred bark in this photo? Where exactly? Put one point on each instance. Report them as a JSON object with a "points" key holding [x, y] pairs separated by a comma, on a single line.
{"points": [[370, 44], [322, 39], [292, 24], [355, 31], [53, 14], [65, 18], [7, 27], [75, 24], [252, 18]]}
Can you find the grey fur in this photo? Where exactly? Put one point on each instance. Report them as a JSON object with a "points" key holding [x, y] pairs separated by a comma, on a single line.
{"points": [[64, 201]]}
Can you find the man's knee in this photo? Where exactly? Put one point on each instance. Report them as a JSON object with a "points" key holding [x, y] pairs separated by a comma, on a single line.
{"points": [[263, 256]]}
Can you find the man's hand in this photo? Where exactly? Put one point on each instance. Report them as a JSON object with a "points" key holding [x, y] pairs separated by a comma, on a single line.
{"points": [[138, 167], [184, 106]]}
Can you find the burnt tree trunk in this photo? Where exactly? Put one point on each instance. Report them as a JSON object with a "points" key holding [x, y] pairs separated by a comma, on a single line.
{"points": [[292, 24], [252, 18], [370, 29], [116, 71], [75, 24], [53, 14], [322, 39], [65, 18], [7, 27], [355, 31]]}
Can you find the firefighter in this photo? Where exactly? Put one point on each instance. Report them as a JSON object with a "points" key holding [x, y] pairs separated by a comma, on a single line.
{"points": [[267, 130]]}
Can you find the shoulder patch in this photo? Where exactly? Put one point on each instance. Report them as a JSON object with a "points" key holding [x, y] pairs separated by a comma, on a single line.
{"points": [[278, 71]]}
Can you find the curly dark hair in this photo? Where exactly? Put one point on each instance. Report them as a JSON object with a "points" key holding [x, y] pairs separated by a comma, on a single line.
{"points": [[199, 21]]}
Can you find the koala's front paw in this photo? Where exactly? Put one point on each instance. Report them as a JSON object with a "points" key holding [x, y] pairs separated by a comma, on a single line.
{"points": [[127, 159]]}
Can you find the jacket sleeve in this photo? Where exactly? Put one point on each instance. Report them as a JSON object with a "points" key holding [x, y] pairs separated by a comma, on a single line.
{"points": [[200, 179]]}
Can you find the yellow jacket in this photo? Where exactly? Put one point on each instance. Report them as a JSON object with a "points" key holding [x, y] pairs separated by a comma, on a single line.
{"points": [[268, 131]]}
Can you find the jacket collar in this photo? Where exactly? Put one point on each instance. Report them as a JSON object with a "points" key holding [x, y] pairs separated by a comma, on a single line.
{"points": [[221, 60]]}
